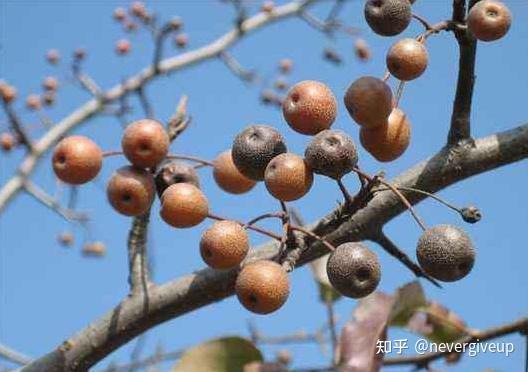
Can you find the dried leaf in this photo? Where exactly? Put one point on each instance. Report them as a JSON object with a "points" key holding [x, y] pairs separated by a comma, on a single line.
{"points": [[438, 324], [407, 301], [327, 293]]}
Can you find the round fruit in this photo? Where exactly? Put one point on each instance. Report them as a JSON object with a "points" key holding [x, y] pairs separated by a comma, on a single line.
{"points": [[224, 245], [122, 47], [262, 287], [183, 205], [174, 171], [369, 101], [7, 141], [446, 253], [33, 102], [388, 142], [362, 50], [50, 83], [53, 56], [331, 153], [7, 92], [489, 20], [131, 191], [254, 148], [145, 143], [181, 40], [407, 59], [309, 107], [95, 249], [228, 177], [285, 65], [388, 17], [353, 270], [288, 177], [77, 160]]}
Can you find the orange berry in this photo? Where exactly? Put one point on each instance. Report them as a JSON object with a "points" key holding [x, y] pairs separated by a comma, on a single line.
{"points": [[131, 191], [285, 65], [77, 160], [228, 177], [95, 249], [183, 205], [288, 177], [369, 101], [65, 239], [407, 59], [362, 50], [174, 171], [489, 20], [224, 245], [145, 143], [8, 92]]}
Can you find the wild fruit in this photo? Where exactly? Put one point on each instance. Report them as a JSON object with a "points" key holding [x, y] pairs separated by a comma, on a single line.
{"points": [[362, 50], [122, 47], [288, 177], [145, 143], [446, 253], [138, 9], [224, 245], [489, 20], [228, 177], [253, 149], [53, 56], [33, 102], [407, 59], [262, 286], [50, 83], [331, 153], [181, 40], [369, 101], [7, 141], [309, 107], [183, 205], [388, 17], [175, 171], [48, 98], [131, 191], [119, 14], [285, 65], [353, 270], [94, 249], [65, 239], [79, 54], [77, 160], [388, 142], [7, 92]]}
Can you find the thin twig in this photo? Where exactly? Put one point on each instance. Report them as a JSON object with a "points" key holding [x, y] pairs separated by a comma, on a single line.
{"points": [[13, 355], [17, 126], [139, 276], [264, 216], [236, 68], [179, 121], [332, 325], [191, 158], [145, 102], [311, 234], [251, 227]]}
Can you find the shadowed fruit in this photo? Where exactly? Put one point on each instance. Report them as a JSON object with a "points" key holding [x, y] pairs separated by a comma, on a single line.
{"points": [[446, 253], [77, 160], [224, 245], [388, 17], [131, 191], [288, 177], [489, 20], [309, 107], [145, 143], [228, 177], [183, 205], [353, 270], [174, 171], [369, 101], [407, 59], [262, 287]]}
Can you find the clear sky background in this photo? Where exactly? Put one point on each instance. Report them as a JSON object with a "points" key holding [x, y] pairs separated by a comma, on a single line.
{"points": [[48, 292]]}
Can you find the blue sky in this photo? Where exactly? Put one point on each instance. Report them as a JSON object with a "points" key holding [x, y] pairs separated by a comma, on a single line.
{"points": [[48, 292]]}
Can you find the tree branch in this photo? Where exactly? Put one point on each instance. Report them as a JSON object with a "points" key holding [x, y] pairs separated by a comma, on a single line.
{"points": [[139, 277], [13, 355]]}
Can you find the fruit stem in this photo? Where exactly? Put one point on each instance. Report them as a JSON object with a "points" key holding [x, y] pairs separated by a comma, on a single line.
{"points": [[107, 154], [349, 200], [264, 216], [423, 192], [251, 227], [195, 159], [325, 242], [423, 21]]}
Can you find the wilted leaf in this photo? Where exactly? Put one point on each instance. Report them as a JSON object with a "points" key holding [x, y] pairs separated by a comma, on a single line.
{"points": [[408, 299], [327, 293], [437, 323]]}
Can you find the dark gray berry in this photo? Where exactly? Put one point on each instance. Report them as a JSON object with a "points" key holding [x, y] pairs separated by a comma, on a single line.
{"points": [[388, 17], [471, 214], [174, 171]]}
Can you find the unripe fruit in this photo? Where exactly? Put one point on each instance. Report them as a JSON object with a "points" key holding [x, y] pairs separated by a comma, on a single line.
{"points": [[331, 153], [77, 160], [362, 50], [122, 47], [388, 17], [254, 148], [175, 171], [131, 191], [33, 102], [353, 270], [183, 205], [145, 143], [285, 65], [262, 287], [369, 101], [50, 83], [7, 141], [53, 56], [181, 40], [95, 249], [228, 177], [489, 20], [446, 253], [309, 107], [388, 142], [224, 245], [288, 177], [407, 59]]}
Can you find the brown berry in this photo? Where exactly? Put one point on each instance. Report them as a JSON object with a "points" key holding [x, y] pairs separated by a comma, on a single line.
{"points": [[176, 23], [50, 83], [285, 65], [33, 102], [489, 20], [224, 245], [181, 40], [175, 171], [77, 160], [8, 92], [228, 177], [362, 50], [95, 249], [65, 239], [49, 98], [388, 17], [183, 205], [7, 141], [131, 191], [145, 143], [407, 59], [288, 177], [369, 101], [53, 56], [138, 9], [119, 14], [79, 54], [122, 47], [129, 26]]}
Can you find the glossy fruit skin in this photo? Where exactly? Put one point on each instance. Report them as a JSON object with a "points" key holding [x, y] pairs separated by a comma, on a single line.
{"points": [[175, 171], [77, 160], [489, 20], [131, 191], [224, 245], [353, 270], [228, 177], [309, 107], [288, 177], [407, 59], [262, 287], [368, 101], [388, 17], [388, 142], [331, 153], [254, 148], [446, 253], [145, 143], [183, 205]]}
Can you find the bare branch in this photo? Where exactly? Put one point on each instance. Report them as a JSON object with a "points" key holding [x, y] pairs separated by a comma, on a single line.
{"points": [[139, 277], [236, 68], [17, 126], [179, 121], [14, 356]]}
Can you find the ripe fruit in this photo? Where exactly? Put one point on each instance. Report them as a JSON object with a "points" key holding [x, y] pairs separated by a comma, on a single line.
{"points": [[95, 249], [145, 143], [262, 287], [50, 83], [388, 17], [388, 142], [489, 20], [369, 101], [77, 160], [175, 171], [228, 177], [353, 270], [53, 56], [407, 59], [33, 102], [309, 107], [285, 65], [7, 92], [122, 47], [253, 149], [331, 153], [362, 50], [7, 141], [131, 191], [288, 177], [446, 253], [119, 14], [65, 239], [181, 40], [224, 245], [183, 205]]}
